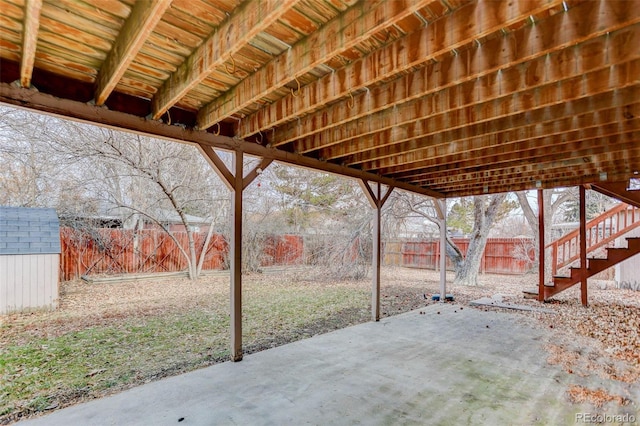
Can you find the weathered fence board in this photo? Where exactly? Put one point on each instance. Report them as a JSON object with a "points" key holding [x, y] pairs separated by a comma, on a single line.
{"points": [[501, 255], [118, 251]]}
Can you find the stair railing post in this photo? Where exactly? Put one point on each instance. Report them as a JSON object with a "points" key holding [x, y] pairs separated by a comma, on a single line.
{"points": [[541, 245], [583, 246]]}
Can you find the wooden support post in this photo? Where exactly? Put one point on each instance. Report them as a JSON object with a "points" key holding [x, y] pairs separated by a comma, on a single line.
{"points": [[236, 182], [376, 258], [235, 250], [442, 212], [377, 202], [541, 245], [583, 246]]}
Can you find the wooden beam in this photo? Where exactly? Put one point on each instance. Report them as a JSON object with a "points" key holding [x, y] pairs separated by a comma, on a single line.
{"points": [[29, 40], [246, 22], [218, 165], [80, 111], [530, 42], [350, 28], [526, 80], [451, 109], [256, 171], [143, 18]]}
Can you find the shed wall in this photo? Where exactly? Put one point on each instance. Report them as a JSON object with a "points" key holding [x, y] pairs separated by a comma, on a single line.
{"points": [[28, 282], [627, 273]]}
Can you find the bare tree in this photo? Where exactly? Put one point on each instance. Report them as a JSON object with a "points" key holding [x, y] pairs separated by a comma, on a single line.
{"points": [[162, 182], [333, 213], [83, 170], [28, 173], [486, 210], [553, 199]]}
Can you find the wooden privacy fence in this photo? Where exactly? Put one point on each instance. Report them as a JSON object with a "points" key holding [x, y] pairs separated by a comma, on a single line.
{"points": [[501, 255], [119, 251]]}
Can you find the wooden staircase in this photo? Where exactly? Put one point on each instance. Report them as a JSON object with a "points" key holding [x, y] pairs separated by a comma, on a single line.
{"points": [[600, 232], [594, 266]]}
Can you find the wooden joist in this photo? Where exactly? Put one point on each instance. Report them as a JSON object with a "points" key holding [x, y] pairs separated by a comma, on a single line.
{"points": [[439, 97], [545, 163], [515, 89], [560, 175], [356, 25], [249, 20], [526, 150], [29, 40], [520, 110], [533, 79], [461, 28], [456, 145], [144, 16]]}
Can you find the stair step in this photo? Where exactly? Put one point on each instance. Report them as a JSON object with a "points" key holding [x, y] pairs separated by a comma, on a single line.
{"points": [[633, 242], [604, 224], [615, 254], [575, 272], [599, 265]]}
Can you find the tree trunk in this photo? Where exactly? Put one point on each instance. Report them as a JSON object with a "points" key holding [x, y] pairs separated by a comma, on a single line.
{"points": [[552, 202], [192, 261], [205, 247], [467, 271]]}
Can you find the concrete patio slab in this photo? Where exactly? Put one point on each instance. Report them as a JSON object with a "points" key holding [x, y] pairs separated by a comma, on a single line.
{"points": [[440, 365]]}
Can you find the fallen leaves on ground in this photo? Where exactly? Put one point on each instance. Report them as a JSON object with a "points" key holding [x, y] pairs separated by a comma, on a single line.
{"points": [[597, 397]]}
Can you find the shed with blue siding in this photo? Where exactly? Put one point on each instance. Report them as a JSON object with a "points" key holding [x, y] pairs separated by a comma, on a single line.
{"points": [[29, 259]]}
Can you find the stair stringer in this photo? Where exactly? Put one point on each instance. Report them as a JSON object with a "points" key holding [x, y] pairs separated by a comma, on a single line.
{"points": [[615, 255]]}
